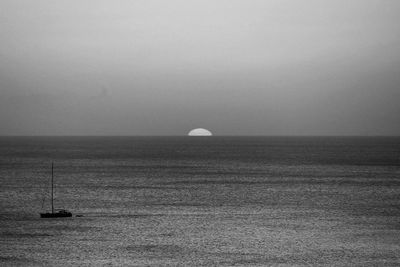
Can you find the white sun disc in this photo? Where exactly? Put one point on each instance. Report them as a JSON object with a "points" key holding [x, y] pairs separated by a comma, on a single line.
{"points": [[200, 132]]}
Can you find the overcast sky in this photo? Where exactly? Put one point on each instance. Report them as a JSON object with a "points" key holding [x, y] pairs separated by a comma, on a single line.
{"points": [[248, 67]]}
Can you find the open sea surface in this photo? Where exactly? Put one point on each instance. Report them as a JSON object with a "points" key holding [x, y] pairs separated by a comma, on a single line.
{"points": [[201, 201]]}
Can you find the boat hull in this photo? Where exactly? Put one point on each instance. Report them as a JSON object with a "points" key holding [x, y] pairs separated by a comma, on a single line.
{"points": [[55, 215]]}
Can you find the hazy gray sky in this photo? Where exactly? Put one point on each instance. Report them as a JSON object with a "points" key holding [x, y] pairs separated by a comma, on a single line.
{"points": [[309, 67]]}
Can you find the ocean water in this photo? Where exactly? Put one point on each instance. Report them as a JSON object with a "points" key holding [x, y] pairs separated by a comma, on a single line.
{"points": [[219, 201]]}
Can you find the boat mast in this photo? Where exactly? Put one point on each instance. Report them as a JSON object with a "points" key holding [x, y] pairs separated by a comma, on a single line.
{"points": [[52, 174]]}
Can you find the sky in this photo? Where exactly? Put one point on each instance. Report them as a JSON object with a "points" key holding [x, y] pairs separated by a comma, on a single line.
{"points": [[234, 67]]}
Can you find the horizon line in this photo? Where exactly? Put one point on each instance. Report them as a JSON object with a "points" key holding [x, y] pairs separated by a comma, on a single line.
{"points": [[214, 135]]}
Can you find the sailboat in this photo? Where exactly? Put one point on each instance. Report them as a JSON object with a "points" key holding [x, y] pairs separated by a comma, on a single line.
{"points": [[59, 213]]}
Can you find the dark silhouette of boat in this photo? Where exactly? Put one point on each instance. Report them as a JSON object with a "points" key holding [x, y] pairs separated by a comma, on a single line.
{"points": [[59, 213], [56, 214]]}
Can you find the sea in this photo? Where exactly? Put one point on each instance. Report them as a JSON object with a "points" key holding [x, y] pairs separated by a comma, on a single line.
{"points": [[201, 201]]}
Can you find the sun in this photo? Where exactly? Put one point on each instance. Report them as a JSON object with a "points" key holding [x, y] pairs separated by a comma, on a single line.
{"points": [[200, 132]]}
